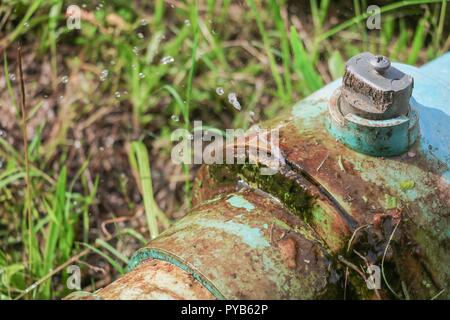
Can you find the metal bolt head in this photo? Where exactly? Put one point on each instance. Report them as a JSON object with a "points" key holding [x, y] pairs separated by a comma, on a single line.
{"points": [[373, 89], [380, 63]]}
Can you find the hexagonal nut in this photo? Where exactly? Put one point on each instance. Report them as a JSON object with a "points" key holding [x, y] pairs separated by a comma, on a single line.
{"points": [[375, 94]]}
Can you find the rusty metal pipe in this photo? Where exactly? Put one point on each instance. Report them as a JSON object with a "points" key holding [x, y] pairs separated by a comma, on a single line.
{"points": [[310, 230]]}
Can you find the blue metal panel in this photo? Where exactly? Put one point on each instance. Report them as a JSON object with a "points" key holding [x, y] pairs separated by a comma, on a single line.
{"points": [[432, 94]]}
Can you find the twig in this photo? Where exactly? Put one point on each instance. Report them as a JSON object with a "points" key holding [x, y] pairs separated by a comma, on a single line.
{"points": [[348, 248], [25, 146], [367, 266], [323, 161], [355, 268], [354, 234], [384, 256], [52, 273], [345, 283], [59, 268], [113, 220], [405, 291], [352, 266], [438, 294], [95, 268]]}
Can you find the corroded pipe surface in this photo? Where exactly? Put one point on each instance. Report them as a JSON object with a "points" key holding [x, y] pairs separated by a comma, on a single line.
{"points": [[151, 280], [311, 230]]}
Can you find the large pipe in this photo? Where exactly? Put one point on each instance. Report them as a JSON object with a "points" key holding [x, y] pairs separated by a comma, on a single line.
{"points": [[337, 205]]}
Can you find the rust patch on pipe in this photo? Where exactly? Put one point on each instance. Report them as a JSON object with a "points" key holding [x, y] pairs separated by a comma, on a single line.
{"points": [[156, 280], [274, 254]]}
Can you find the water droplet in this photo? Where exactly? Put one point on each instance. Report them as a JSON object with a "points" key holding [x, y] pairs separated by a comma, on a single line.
{"points": [[65, 79], [26, 24], [109, 141], [133, 66], [167, 60], [12, 77], [140, 35], [61, 98], [103, 75], [143, 22], [141, 75], [2, 133], [113, 62], [117, 94], [136, 51], [174, 118], [234, 101], [187, 22], [220, 91]]}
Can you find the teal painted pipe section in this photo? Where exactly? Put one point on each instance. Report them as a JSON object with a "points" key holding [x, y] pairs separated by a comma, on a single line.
{"points": [[381, 138]]}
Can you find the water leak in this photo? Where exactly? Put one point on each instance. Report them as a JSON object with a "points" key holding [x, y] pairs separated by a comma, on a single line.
{"points": [[104, 74], [220, 91], [167, 60], [232, 98]]}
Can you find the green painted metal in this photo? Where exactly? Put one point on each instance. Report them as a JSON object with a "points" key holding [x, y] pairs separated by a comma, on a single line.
{"points": [[382, 138], [240, 202], [373, 112]]}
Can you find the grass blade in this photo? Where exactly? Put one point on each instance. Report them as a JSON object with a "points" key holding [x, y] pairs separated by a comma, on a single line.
{"points": [[285, 51], [267, 47], [419, 38], [302, 65], [140, 163]]}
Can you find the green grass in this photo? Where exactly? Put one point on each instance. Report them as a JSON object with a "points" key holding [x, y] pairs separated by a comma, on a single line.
{"points": [[140, 163], [281, 92], [269, 57]]}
